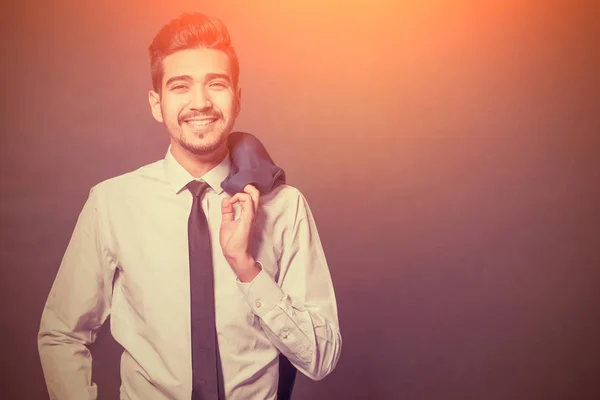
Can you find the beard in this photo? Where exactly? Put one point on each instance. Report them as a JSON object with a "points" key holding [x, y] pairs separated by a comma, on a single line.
{"points": [[200, 140], [204, 142], [209, 143]]}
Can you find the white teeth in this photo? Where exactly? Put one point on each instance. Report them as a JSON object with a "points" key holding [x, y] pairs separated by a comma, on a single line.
{"points": [[203, 122]]}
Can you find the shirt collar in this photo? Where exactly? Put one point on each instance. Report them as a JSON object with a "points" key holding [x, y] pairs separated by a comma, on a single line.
{"points": [[178, 177]]}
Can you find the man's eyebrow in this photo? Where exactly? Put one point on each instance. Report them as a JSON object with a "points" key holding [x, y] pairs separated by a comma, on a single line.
{"points": [[214, 75], [186, 78]]}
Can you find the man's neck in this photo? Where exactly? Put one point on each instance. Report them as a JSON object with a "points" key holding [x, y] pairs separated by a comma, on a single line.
{"points": [[198, 165]]}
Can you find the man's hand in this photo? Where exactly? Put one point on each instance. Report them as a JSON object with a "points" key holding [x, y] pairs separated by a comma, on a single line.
{"points": [[235, 235]]}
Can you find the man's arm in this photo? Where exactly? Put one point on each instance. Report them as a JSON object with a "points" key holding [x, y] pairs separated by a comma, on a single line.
{"points": [[298, 314], [76, 308]]}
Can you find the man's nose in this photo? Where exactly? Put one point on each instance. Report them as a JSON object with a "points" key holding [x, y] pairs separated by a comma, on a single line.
{"points": [[200, 98]]}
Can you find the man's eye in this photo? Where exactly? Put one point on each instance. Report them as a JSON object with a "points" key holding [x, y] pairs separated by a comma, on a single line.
{"points": [[179, 87], [218, 84]]}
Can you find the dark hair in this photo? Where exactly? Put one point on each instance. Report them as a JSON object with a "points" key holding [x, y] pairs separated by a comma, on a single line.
{"points": [[187, 32]]}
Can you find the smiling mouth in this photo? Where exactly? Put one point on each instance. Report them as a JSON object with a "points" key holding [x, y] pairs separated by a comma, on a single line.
{"points": [[201, 122]]}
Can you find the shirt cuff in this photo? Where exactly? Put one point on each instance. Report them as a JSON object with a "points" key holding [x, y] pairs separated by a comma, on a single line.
{"points": [[262, 294]]}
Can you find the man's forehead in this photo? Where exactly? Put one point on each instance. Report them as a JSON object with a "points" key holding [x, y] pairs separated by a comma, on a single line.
{"points": [[196, 63]]}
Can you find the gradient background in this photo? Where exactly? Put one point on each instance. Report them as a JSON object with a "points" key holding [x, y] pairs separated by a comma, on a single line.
{"points": [[448, 149]]}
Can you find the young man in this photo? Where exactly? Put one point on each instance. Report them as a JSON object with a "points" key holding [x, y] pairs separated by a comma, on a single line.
{"points": [[205, 288]]}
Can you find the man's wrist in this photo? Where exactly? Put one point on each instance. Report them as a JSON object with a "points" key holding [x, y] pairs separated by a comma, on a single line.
{"points": [[246, 269]]}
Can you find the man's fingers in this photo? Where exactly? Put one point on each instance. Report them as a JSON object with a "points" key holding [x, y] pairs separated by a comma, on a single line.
{"points": [[227, 210], [254, 193], [241, 198], [245, 200], [248, 199]]}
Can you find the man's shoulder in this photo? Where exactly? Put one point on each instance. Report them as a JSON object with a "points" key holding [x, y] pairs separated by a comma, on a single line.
{"points": [[283, 192], [131, 180], [284, 198], [282, 209]]}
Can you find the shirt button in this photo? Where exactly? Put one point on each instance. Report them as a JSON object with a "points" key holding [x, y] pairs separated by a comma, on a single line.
{"points": [[257, 304], [284, 334]]}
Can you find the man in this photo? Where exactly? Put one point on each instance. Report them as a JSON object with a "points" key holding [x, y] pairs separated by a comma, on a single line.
{"points": [[147, 244]]}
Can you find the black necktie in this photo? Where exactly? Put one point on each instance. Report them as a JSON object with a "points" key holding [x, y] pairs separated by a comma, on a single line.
{"points": [[206, 382]]}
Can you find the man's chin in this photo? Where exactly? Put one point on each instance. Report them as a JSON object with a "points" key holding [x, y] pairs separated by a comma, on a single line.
{"points": [[204, 148]]}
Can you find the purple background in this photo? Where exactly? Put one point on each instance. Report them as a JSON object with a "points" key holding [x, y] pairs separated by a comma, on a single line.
{"points": [[449, 152]]}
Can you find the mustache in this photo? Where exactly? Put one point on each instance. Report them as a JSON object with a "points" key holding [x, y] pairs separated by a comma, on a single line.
{"points": [[198, 114]]}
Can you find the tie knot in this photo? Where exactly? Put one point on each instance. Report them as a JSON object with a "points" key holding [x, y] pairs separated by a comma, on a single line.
{"points": [[197, 188]]}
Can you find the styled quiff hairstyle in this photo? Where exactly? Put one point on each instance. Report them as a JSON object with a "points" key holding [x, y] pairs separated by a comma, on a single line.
{"points": [[190, 31]]}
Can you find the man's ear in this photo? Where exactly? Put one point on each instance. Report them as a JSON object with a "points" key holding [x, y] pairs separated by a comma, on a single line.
{"points": [[154, 100], [238, 102]]}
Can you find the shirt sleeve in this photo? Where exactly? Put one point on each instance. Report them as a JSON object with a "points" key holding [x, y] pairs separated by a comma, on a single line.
{"points": [[298, 313], [77, 306]]}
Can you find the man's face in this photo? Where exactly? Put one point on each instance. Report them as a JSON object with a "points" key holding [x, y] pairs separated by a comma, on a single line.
{"points": [[198, 103]]}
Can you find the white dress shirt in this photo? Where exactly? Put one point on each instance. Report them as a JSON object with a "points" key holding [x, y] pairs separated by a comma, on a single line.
{"points": [[128, 257]]}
